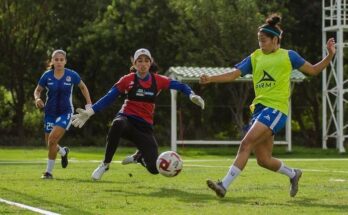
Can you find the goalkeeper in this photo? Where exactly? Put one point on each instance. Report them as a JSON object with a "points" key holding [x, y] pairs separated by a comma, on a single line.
{"points": [[134, 121], [271, 68]]}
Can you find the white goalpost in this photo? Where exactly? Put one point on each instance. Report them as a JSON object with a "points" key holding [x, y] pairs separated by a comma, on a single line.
{"points": [[192, 74]]}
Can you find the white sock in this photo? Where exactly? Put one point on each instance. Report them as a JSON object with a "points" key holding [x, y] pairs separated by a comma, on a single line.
{"points": [[61, 151], [50, 165], [231, 175], [290, 172]]}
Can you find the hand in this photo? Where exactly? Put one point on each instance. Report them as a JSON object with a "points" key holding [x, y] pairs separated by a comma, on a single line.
{"points": [[204, 79], [39, 103], [78, 120], [197, 100], [331, 46]]}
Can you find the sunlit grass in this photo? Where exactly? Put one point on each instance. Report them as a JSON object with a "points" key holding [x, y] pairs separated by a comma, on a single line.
{"points": [[131, 190]]}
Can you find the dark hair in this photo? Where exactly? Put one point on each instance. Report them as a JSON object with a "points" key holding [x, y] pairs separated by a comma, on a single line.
{"points": [[153, 68], [271, 28]]}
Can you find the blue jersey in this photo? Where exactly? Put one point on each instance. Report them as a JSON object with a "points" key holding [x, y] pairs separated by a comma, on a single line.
{"points": [[59, 91]]}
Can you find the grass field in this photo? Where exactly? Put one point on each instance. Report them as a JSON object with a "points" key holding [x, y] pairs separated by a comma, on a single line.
{"points": [[131, 190]]}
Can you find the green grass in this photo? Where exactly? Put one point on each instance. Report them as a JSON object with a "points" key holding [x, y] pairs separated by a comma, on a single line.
{"points": [[131, 190]]}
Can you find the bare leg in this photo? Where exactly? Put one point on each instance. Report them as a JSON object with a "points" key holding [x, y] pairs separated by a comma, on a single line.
{"points": [[263, 153], [257, 134], [53, 140]]}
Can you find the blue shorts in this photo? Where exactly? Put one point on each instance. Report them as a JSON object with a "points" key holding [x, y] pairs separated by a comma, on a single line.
{"points": [[272, 118], [63, 121]]}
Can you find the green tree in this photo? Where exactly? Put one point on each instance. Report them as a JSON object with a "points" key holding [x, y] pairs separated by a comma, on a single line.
{"points": [[22, 24], [29, 31]]}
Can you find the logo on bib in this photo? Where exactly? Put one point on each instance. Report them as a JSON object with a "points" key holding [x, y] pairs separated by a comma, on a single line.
{"points": [[266, 81]]}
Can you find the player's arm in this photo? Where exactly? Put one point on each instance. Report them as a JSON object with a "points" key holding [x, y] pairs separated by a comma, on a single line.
{"points": [[37, 96], [242, 68], [186, 89], [106, 100], [85, 93], [164, 82], [222, 78], [83, 115], [310, 69]]}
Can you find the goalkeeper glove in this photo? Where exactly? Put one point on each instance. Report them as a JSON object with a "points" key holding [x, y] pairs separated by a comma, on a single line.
{"points": [[197, 100], [78, 120]]}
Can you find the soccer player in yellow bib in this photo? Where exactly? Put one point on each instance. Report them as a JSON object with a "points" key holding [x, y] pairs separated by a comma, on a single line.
{"points": [[271, 68]]}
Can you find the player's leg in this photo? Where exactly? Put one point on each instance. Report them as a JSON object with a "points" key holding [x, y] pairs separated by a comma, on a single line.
{"points": [[263, 153], [148, 148], [52, 141], [63, 121], [258, 133], [119, 128], [275, 120], [142, 136], [50, 163]]}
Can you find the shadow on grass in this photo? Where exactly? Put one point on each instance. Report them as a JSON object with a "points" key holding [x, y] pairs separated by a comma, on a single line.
{"points": [[192, 196], [181, 195], [311, 202], [87, 180], [42, 201]]}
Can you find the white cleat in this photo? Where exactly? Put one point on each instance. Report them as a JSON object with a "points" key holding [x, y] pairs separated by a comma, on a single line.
{"points": [[132, 158], [99, 171]]}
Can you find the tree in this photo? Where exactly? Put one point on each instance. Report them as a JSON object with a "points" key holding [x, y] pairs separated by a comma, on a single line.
{"points": [[22, 27], [29, 31]]}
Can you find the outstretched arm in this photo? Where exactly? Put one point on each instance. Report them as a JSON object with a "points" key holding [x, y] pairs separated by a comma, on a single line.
{"points": [[310, 69], [227, 77], [184, 88], [106, 100], [83, 115]]}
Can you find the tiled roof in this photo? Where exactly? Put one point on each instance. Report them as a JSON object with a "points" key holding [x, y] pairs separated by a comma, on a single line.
{"points": [[193, 73]]}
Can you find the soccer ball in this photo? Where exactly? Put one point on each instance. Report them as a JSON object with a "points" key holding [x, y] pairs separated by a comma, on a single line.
{"points": [[169, 163]]}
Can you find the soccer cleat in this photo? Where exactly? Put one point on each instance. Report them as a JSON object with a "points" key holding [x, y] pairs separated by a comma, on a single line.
{"points": [[134, 158], [64, 159], [294, 182], [47, 175], [217, 187], [99, 171]]}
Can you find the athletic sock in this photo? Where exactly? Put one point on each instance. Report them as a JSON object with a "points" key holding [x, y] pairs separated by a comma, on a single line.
{"points": [[50, 165], [61, 151], [290, 172], [231, 175]]}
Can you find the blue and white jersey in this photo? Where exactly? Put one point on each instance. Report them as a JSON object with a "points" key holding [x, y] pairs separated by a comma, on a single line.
{"points": [[59, 91]]}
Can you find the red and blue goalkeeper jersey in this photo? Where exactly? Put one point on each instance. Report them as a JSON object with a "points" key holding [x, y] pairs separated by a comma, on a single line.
{"points": [[141, 93]]}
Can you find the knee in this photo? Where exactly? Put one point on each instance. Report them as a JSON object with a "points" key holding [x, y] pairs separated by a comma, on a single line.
{"points": [[52, 140], [151, 167]]}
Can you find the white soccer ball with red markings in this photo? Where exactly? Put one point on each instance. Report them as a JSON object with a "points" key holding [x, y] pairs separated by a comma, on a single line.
{"points": [[169, 163]]}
